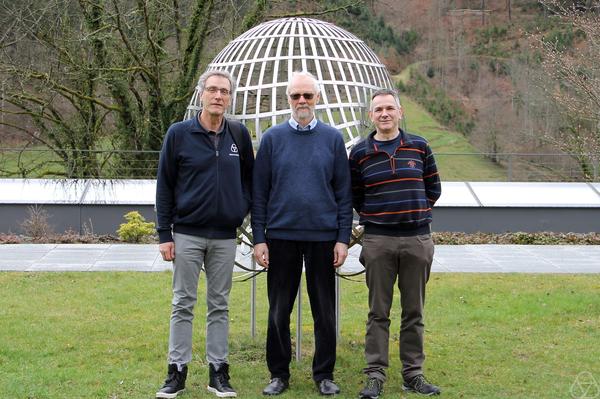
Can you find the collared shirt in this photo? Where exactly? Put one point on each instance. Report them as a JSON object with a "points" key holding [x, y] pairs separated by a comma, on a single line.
{"points": [[214, 136], [296, 125]]}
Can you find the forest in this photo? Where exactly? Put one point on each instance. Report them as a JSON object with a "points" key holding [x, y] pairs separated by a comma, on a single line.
{"points": [[89, 87]]}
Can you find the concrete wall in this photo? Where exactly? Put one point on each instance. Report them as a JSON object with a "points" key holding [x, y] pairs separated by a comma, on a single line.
{"points": [[99, 206], [511, 219], [105, 219], [97, 219]]}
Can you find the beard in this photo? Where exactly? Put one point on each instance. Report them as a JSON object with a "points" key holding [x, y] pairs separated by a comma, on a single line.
{"points": [[303, 113]]}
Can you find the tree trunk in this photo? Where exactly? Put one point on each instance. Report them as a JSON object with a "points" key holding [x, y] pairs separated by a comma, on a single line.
{"points": [[482, 12]]}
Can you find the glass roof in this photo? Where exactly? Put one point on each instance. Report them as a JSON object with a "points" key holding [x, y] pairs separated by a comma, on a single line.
{"points": [[40, 191], [535, 194], [454, 194], [118, 192]]}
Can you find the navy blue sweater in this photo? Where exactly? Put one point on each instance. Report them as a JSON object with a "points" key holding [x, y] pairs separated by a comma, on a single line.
{"points": [[200, 189], [394, 192], [301, 189]]}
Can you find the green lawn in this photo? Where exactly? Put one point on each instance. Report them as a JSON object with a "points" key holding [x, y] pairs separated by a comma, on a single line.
{"points": [[104, 335], [32, 162]]}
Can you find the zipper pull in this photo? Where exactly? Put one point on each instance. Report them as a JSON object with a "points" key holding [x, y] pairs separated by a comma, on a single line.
{"points": [[217, 152]]}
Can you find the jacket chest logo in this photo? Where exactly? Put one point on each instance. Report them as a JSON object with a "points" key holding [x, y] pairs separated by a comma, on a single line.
{"points": [[412, 164], [234, 151]]}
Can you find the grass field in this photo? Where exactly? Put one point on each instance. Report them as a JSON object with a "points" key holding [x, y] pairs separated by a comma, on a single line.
{"points": [[452, 149], [104, 335], [33, 162]]}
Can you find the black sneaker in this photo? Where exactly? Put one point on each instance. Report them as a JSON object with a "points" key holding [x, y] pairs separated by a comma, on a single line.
{"points": [[373, 388], [419, 384], [219, 381], [174, 384]]}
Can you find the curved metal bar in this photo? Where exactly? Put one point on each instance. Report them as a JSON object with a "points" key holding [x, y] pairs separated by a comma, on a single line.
{"points": [[263, 58], [247, 276]]}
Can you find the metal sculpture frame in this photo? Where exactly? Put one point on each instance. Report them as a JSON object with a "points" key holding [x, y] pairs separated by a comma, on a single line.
{"points": [[263, 59]]}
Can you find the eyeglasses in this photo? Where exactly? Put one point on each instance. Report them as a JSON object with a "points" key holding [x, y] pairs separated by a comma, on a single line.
{"points": [[214, 90], [296, 96]]}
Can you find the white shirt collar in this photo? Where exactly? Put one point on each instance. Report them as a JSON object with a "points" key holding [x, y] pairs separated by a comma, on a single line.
{"points": [[296, 125]]}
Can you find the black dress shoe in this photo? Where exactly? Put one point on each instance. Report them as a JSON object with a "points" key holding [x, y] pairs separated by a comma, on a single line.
{"points": [[328, 387], [276, 387]]}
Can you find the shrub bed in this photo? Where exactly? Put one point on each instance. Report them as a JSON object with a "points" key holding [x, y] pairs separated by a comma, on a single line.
{"points": [[440, 238]]}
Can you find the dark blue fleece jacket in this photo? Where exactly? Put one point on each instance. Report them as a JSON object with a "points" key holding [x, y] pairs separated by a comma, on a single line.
{"points": [[301, 188], [202, 190]]}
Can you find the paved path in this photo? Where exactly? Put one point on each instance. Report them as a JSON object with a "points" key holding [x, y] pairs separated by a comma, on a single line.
{"points": [[448, 258]]}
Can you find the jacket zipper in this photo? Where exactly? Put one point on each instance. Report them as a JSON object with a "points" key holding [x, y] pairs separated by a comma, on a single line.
{"points": [[391, 157], [217, 188]]}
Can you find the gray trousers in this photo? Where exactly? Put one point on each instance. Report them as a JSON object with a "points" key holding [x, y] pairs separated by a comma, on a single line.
{"points": [[218, 257], [409, 260]]}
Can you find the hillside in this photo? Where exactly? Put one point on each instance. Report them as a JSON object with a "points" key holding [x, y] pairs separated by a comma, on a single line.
{"points": [[509, 76], [455, 156], [485, 72]]}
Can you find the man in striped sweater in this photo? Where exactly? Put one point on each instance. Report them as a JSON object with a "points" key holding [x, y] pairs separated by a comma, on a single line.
{"points": [[394, 186]]}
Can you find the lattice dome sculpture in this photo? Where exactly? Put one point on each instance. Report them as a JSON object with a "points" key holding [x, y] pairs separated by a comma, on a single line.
{"points": [[262, 61]]}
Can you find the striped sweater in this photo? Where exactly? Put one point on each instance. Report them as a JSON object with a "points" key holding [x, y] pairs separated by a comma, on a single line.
{"points": [[393, 193]]}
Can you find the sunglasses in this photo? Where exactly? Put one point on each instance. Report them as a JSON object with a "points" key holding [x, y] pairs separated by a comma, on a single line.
{"points": [[296, 96]]}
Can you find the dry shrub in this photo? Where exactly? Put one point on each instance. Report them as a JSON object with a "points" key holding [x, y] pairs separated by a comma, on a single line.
{"points": [[36, 225], [10, 239], [521, 238]]}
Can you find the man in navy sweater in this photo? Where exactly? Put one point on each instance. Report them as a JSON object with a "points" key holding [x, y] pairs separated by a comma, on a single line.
{"points": [[394, 186], [302, 211], [202, 196]]}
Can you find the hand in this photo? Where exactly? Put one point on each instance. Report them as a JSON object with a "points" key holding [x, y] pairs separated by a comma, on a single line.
{"points": [[261, 254], [340, 253], [167, 250]]}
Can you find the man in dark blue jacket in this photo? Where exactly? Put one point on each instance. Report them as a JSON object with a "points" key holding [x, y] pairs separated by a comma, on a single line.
{"points": [[302, 211], [203, 193], [395, 183]]}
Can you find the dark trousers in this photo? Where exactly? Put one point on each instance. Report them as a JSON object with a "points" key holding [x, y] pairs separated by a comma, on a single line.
{"points": [[283, 279], [407, 259]]}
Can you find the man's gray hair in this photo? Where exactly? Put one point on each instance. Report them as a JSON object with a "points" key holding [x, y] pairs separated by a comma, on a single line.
{"points": [[224, 74], [386, 92], [306, 74]]}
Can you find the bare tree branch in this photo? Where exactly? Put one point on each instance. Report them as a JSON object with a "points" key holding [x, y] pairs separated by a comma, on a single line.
{"points": [[322, 12]]}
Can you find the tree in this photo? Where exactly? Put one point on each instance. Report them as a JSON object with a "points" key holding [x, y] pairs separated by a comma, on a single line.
{"points": [[81, 76], [574, 84]]}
